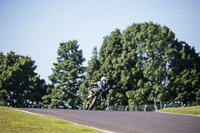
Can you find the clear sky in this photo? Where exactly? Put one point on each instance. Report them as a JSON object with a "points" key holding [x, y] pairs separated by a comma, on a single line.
{"points": [[36, 27]]}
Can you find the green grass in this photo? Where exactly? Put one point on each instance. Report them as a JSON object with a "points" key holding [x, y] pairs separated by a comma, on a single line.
{"points": [[194, 110], [12, 121]]}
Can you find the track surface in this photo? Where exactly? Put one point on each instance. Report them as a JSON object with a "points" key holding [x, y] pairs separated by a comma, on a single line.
{"points": [[127, 122]]}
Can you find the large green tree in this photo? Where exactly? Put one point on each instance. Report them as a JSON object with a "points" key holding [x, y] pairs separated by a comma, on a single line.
{"points": [[110, 53], [20, 86], [147, 61], [66, 78], [154, 47]]}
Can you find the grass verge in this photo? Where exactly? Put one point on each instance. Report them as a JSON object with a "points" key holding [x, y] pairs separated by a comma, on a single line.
{"points": [[12, 121], [194, 110]]}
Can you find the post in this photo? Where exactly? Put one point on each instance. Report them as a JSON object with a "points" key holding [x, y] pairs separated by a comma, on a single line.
{"points": [[126, 108], [145, 108], [107, 101], [164, 106], [155, 104], [160, 104], [107, 104]]}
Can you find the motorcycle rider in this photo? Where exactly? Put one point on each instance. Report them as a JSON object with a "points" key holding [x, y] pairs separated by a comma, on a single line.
{"points": [[103, 84]]}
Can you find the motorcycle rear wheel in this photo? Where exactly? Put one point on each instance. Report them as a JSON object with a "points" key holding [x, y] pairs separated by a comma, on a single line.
{"points": [[86, 107]]}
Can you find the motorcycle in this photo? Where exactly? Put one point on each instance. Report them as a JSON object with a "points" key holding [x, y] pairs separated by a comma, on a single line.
{"points": [[95, 99]]}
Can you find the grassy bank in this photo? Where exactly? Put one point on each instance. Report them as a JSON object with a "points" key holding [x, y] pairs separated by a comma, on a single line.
{"points": [[12, 121], [194, 110]]}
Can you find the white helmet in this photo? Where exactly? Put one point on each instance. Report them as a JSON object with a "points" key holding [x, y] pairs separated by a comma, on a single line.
{"points": [[103, 79]]}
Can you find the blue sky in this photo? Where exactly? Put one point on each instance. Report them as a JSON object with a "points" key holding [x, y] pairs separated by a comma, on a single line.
{"points": [[36, 27]]}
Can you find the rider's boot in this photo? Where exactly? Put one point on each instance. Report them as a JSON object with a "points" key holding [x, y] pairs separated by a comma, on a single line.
{"points": [[90, 95]]}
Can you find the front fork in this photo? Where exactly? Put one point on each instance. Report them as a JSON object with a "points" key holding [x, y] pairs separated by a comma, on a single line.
{"points": [[89, 101]]}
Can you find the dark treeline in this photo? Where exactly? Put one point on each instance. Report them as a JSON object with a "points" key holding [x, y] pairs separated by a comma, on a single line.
{"points": [[142, 62]]}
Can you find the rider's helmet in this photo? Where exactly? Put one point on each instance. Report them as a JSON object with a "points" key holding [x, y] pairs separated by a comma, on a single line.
{"points": [[104, 79]]}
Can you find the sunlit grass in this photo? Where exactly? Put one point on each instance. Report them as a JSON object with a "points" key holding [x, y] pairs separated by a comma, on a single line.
{"points": [[194, 110], [12, 121]]}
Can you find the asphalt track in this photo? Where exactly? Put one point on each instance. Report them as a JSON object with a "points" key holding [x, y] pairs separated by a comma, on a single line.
{"points": [[126, 122]]}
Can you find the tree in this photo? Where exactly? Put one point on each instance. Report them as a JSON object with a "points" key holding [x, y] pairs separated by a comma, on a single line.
{"points": [[111, 67], [66, 78], [155, 46], [20, 86]]}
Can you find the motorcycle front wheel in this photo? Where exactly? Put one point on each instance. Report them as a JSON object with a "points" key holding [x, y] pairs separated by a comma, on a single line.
{"points": [[94, 100]]}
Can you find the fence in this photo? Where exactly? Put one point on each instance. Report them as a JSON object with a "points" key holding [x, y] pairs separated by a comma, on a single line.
{"points": [[150, 107]]}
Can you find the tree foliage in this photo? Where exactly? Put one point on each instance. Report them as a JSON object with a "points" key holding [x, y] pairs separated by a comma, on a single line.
{"points": [[184, 81], [66, 77], [20, 86], [146, 61], [142, 62], [91, 74]]}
